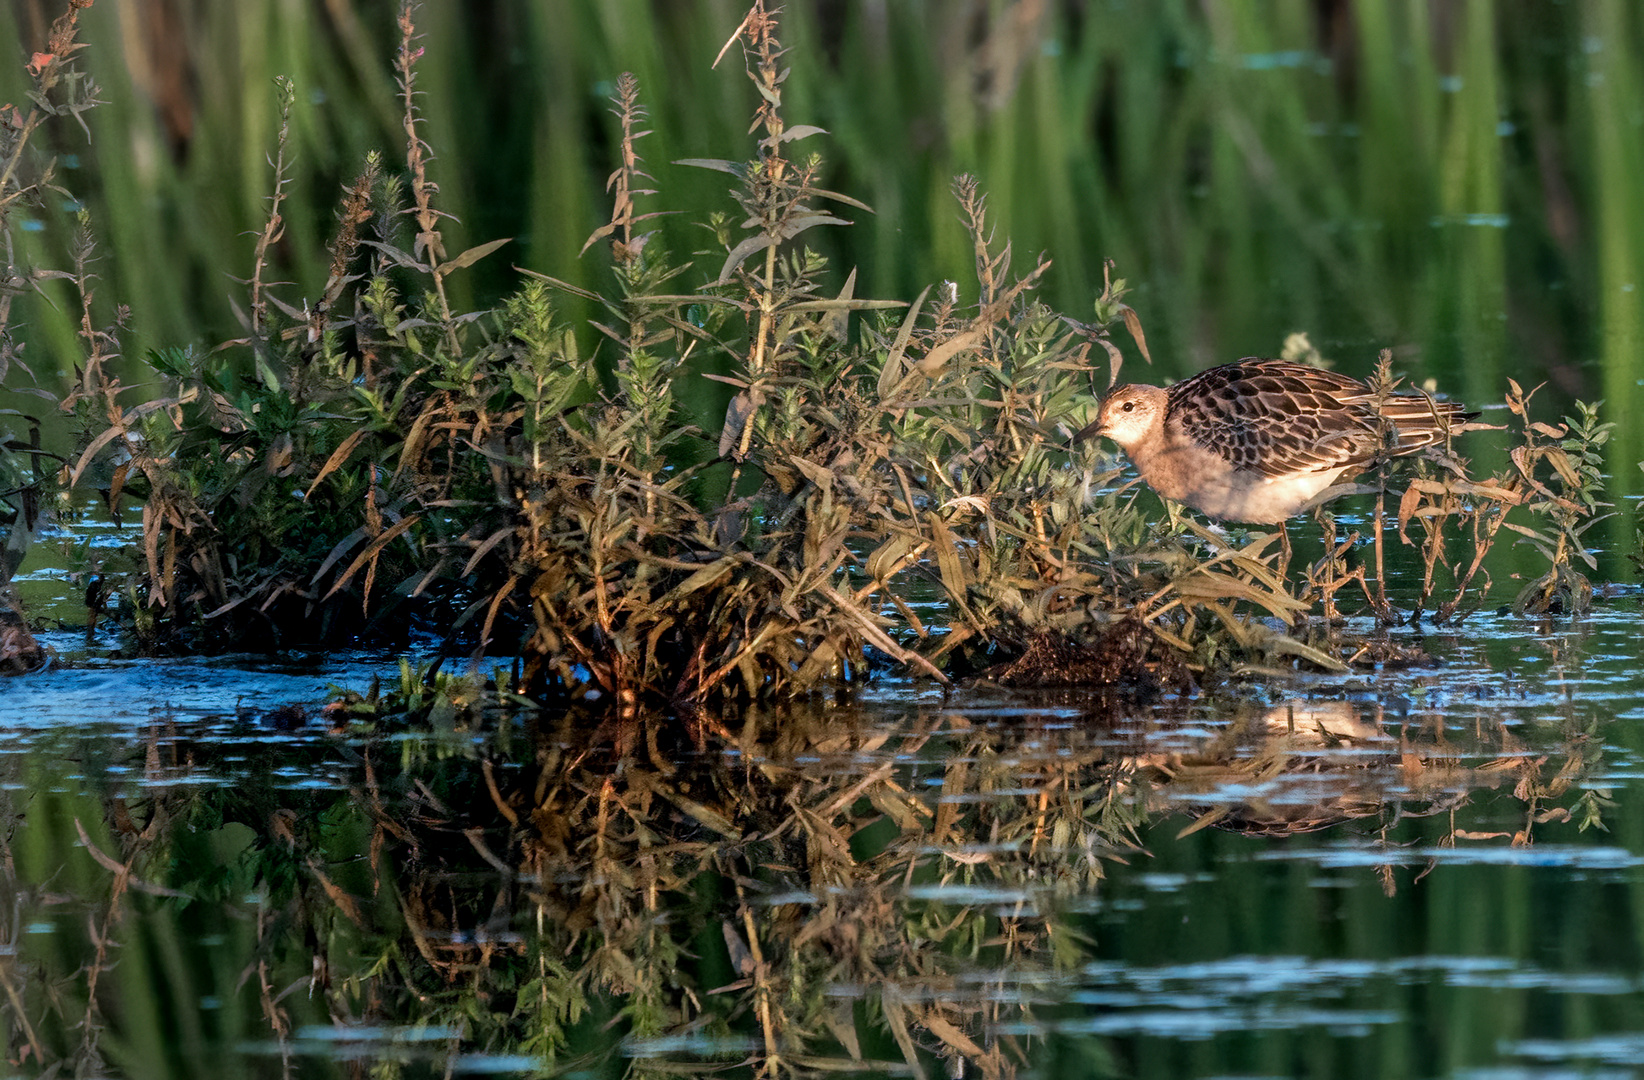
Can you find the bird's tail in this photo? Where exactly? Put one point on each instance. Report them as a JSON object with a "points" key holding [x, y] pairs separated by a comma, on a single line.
{"points": [[1421, 421]]}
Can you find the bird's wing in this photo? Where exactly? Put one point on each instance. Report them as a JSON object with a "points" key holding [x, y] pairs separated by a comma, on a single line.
{"points": [[1277, 418]]}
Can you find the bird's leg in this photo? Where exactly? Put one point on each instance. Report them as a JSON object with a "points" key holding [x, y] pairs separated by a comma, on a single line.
{"points": [[1328, 587]]}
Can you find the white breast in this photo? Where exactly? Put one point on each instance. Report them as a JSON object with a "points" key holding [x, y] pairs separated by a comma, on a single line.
{"points": [[1258, 500]]}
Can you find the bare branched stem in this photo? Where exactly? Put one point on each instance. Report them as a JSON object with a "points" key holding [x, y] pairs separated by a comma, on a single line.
{"points": [[428, 245], [274, 227], [355, 212], [49, 69], [1382, 383], [631, 113], [770, 174]]}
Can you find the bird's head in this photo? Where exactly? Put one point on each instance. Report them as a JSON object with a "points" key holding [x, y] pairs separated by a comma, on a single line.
{"points": [[1129, 415]]}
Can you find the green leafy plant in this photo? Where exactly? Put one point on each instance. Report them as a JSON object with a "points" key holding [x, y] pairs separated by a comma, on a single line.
{"points": [[1562, 470]]}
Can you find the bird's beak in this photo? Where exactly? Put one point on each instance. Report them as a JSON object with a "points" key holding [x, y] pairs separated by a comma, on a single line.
{"points": [[1091, 430]]}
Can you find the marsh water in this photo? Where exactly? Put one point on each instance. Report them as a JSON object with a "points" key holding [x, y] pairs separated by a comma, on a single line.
{"points": [[1431, 867]]}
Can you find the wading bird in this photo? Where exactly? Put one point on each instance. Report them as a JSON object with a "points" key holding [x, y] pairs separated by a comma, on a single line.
{"points": [[1257, 440]]}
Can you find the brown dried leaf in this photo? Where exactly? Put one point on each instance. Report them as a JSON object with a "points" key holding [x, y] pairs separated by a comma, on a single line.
{"points": [[741, 957], [705, 815], [399, 257], [831, 842], [1133, 323], [891, 375], [490, 542], [737, 415], [933, 361], [120, 870], [345, 902], [473, 255], [942, 1029], [1407, 508], [803, 222], [278, 459], [1115, 361], [738, 254], [841, 1023], [895, 1013], [338, 456], [711, 574], [340, 549], [1205, 820], [370, 554], [735, 168], [888, 557], [801, 131], [102, 440], [952, 569], [820, 475]]}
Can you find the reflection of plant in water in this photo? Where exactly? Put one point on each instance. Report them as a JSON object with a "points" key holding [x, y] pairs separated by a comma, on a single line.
{"points": [[819, 896], [748, 899], [817, 888], [1310, 764]]}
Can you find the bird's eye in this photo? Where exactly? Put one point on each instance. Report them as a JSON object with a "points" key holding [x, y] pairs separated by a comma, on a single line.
{"points": [[1130, 406]]}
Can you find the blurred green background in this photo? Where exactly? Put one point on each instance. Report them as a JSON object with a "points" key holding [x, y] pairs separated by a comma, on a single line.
{"points": [[1459, 180]]}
